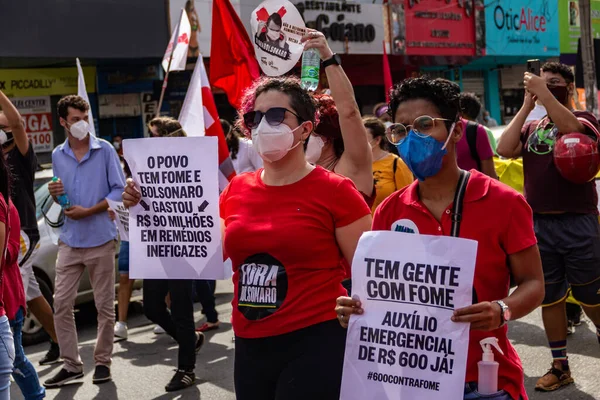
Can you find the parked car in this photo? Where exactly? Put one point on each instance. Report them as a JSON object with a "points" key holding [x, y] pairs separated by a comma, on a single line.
{"points": [[44, 262]]}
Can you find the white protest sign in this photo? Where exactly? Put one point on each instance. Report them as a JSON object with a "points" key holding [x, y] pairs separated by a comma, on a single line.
{"points": [[277, 28], [122, 218], [175, 232], [405, 345]]}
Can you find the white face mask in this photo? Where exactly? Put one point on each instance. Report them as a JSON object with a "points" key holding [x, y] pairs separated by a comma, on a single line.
{"points": [[117, 145], [80, 129], [3, 137], [273, 35], [273, 142], [314, 149]]}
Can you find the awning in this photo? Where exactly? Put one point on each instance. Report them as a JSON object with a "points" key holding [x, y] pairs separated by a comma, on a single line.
{"points": [[89, 29]]}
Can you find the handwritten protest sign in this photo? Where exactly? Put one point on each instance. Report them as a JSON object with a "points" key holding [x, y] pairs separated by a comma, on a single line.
{"points": [[277, 28], [175, 230], [122, 218], [405, 346]]}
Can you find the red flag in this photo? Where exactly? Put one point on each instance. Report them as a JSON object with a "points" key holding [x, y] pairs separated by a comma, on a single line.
{"points": [[387, 75], [233, 65], [199, 116]]}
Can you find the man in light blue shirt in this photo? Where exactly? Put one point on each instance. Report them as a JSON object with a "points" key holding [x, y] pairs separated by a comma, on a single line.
{"points": [[89, 171]]}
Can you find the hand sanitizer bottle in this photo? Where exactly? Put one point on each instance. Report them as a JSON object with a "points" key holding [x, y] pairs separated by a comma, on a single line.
{"points": [[488, 368]]}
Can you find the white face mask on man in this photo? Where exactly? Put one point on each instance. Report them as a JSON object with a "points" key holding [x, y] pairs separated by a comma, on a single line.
{"points": [[79, 129], [273, 142], [314, 148]]}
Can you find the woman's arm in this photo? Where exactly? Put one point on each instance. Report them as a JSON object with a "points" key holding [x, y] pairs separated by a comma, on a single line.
{"points": [[15, 123], [356, 161], [348, 236]]}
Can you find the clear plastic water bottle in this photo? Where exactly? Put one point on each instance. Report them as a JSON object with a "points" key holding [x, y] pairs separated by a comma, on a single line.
{"points": [[63, 199], [311, 64]]}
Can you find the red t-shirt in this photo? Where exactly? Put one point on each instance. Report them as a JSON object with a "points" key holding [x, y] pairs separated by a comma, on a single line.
{"points": [[545, 188], [13, 292], [287, 266], [501, 221], [4, 218]]}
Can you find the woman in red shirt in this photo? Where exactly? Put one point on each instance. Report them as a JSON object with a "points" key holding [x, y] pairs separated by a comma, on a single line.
{"points": [[339, 141], [426, 133], [7, 351], [287, 228]]}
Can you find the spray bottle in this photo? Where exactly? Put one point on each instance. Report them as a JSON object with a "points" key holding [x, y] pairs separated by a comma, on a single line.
{"points": [[488, 368]]}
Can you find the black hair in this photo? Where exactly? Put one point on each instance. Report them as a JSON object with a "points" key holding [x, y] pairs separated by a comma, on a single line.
{"points": [[72, 101], [377, 129], [276, 18], [443, 93], [470, 105], [558, 68], [232, 138]]}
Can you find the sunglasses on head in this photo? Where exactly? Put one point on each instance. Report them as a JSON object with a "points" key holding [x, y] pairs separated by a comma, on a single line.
{"points": [[422, 126], [274, 116]]}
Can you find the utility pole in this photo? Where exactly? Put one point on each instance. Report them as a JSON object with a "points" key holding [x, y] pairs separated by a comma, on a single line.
{"points": [[588, 58]]}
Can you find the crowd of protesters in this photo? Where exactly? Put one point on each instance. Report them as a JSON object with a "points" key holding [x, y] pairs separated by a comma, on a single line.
{"points": [[314, 174]]}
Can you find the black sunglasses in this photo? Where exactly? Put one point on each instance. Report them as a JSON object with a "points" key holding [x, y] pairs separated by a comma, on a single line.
{"points": [[275, 117]]}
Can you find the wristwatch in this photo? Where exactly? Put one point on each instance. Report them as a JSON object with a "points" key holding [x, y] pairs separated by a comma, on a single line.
{"points": [[505, 314], [334, 60]]}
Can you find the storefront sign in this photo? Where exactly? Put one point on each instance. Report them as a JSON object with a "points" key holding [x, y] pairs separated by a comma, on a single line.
{"points": [[570, 23], [149, 104], [521, 28], [127, 79], [433, 28], [37, 115], [44, 82], [119, 105], [350, 27]]}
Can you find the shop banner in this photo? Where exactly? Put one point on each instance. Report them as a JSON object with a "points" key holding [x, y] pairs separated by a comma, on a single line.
{"points": [[570, 24], [433, 28], [149, 105], [362, 24], [404, 345], [44, 82], [521, 28], [277, 28], [37, 115], [119, 105], [175, 230]]}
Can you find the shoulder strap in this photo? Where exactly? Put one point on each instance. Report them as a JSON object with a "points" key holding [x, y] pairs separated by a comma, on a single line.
{"points": [[459, 196], [394, 168], [472, 141], [461, 188]]}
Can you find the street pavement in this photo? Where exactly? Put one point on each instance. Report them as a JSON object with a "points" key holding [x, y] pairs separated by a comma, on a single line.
{"points": [[143, 364]]}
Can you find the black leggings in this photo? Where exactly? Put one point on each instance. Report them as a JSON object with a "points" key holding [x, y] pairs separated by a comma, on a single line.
{"points": [[304, 364], [179, 323]]}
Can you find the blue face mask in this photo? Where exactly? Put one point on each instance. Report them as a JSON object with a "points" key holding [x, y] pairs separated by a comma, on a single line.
{"points": [[422, 154]]}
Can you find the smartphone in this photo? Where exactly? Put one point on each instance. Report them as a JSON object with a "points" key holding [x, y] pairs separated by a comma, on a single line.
{"points": [[533, 66]]}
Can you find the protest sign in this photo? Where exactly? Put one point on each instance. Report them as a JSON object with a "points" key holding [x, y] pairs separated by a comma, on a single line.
{"points": [[122, 218], [277, 28], [405, 345], [175, 230]]}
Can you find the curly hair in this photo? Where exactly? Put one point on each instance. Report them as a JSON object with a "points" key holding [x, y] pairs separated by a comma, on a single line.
{"points": [[443, 93], [329, 123], [72, 101], [301, 101], [558, 68], [470, 106]]}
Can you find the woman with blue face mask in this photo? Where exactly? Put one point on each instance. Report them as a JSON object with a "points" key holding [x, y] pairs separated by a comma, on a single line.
{"points": [[426, 131]]}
